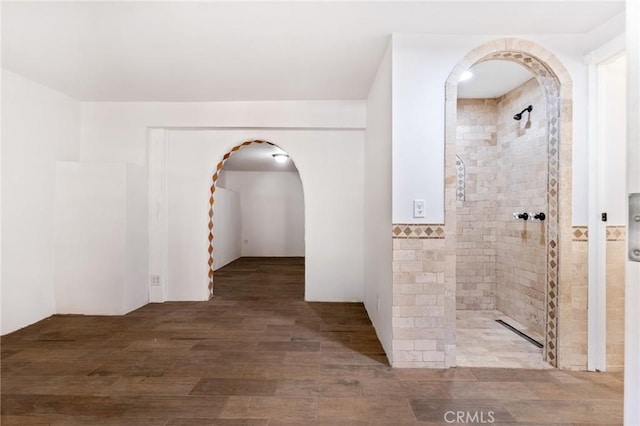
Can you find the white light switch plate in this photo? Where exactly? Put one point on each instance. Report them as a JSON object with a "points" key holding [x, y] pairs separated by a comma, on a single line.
{"points": [[418, 208]]}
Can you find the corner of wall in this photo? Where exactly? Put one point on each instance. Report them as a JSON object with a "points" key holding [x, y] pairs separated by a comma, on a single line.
{"points": [[40, 127], [378, 294]]}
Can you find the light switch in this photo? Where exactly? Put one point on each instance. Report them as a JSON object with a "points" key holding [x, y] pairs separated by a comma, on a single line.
{"points": [[418, 208]]}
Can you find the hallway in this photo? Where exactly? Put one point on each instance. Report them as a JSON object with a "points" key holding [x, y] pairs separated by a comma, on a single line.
{"points": [[257, 354]]}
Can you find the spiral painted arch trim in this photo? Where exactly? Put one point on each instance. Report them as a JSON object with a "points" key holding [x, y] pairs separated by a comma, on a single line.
{"points": [[214, 179]]}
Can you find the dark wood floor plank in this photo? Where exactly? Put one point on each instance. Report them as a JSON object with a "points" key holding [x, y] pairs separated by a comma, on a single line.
{"points": [[231, 387]]}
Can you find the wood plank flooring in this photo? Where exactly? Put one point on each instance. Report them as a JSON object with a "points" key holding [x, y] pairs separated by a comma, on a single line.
{"points": [[257, 354]]}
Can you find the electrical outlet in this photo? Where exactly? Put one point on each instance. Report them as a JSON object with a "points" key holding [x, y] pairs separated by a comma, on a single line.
{"points": [[155, 279]]}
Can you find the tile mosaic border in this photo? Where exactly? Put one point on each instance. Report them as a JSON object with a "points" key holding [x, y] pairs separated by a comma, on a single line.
{"points": [[460, 179], [580, 233], [214, 178], [616, 233], [419, 231]]}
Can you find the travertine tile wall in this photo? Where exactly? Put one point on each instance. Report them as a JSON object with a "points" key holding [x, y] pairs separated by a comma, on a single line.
{"points": [[418, 296], [575, 302], [616, 252], [476, 146], [521, 260], [575, 319]]}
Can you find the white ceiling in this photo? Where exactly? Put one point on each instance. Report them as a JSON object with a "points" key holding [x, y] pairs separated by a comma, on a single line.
{"points": [[267, 50], [492, 79], [258, 158]]}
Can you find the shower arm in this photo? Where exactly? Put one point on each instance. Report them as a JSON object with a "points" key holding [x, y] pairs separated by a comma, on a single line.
{"points": [[518, 116]]}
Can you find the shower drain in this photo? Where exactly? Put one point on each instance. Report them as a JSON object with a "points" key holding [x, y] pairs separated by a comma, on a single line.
{"points": [[519, 333]]}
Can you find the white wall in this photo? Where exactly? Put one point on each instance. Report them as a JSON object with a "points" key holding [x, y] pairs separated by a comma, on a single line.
{"points": [[378, 279], [117, 131], [421, 66], [90, 223], [39, 127], [272, 211], [100, 238], [227, 224], [333, 200], [188, 181], [613, 85], [136, 272]]}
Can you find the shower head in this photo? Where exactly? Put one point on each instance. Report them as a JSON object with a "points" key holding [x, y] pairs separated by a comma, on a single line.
{"points": [[518, 116]]}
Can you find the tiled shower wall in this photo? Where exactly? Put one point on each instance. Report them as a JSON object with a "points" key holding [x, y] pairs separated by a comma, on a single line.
{"points": [[521, 267], [476, 147], [501, 262]]}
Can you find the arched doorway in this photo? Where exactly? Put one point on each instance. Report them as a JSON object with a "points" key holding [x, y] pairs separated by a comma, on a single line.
{"points": [[272, 213], [555, 82]]}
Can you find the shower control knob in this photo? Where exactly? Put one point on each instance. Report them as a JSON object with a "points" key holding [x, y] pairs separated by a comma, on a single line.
{"points": [[540, 216]]}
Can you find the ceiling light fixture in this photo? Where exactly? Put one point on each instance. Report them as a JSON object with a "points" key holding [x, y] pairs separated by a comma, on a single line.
{"points": [[280, 158], [467, 75]]}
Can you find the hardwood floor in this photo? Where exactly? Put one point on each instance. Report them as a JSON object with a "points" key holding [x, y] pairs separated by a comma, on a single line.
{"points": [[257, 354]]}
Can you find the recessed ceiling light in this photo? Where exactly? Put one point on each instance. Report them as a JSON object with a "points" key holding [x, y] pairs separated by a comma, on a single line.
{"points": [[467, 75], [280, 158]]}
